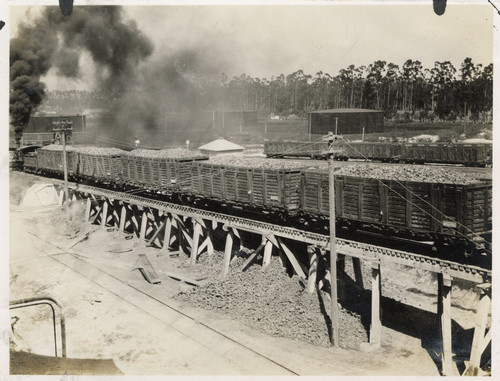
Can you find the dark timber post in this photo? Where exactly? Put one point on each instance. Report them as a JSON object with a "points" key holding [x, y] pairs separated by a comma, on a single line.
{"points": [[333, 251]]}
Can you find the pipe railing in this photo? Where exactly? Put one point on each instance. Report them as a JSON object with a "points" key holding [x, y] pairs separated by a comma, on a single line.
{"points": [[35, 301]]}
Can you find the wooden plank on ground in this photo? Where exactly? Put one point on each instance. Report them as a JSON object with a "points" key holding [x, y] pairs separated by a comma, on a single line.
{"points": [[147, 269], [185, 279]]}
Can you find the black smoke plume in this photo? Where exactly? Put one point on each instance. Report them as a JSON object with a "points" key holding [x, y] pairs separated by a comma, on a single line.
{"points": [[55, 41]]}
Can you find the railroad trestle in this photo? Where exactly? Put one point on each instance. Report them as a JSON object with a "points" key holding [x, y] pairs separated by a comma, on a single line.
{"points": [[182, 229]]}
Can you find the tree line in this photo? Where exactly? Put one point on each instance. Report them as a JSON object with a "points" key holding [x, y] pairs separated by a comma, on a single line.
{"points": [[410, 91]]}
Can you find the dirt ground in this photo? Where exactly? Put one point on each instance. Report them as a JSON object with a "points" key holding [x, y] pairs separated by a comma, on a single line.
{"points": [[268, 310]]}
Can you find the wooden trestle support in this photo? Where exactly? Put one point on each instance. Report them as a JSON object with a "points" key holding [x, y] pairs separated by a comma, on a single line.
{"points": [[193, 235]]}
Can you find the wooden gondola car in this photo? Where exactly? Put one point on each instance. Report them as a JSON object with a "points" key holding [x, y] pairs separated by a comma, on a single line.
{"points": [[158, 170], [441, 153], [50, 160], [423, 210], [261, 189]]}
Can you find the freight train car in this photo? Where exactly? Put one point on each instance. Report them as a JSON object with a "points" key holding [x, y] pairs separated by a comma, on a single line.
{"points": [[422, 210], [164, 171], [50, 160], [448, 207], [252, 187], [98, 164], [90, 163], [442, 153]]}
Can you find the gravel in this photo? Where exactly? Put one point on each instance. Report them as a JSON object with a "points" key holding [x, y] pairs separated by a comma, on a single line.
{"points": [[272, 302], [90, 150], [258, 162], [411, 173], [417, 173], [173, 153]]}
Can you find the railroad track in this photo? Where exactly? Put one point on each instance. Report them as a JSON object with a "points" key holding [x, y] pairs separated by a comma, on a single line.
{"points": [[346, 247]]}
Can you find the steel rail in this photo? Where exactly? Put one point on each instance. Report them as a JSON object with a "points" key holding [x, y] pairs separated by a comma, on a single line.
{"points": [[346, 247]]}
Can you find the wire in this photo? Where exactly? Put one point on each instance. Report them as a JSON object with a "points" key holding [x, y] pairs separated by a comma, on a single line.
{"points": [[425, 201], [345, 142]]}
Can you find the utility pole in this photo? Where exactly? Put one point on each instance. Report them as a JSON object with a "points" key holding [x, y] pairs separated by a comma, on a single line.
{"points": [[465, 117], [64, 127], [336, 125], [333, 250], [309, 126]]}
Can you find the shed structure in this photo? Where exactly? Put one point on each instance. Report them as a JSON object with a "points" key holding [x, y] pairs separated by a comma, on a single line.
{"points": [[220, 146], [346, 121]]}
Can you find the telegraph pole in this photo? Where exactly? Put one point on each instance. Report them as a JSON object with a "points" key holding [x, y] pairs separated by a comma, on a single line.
{"points": [[333, 250], [64, 126]]}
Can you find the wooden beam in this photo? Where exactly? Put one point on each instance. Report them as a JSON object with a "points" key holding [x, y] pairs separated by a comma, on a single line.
{"points": [[480, 341], [196, 240], [116, 218], [228, 251], [184, 278], [341, 275], [291, 257], [157, 233], [376, 324], [209, 240], [444, 311], [180, 236], [104, 215], [133, 221], [358, 273], [168, 233], [144, 225], [205, 245], [123, 219], [87, 209], [313, 268], [147, 269], [325, 280], [252, 257], [268, 250], [61, 198], [93, 220], [186, 235]]}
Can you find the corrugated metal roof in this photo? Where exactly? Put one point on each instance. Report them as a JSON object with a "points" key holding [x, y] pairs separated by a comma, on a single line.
{"points": [[220, 145], [344, 111]]}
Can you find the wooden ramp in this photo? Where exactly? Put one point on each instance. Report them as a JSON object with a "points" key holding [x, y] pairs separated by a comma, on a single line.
{"points": [[147, 269], [29, 363]]}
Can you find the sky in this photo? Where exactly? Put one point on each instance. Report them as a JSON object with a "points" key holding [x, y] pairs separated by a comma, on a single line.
{"points": [[267, 40]]}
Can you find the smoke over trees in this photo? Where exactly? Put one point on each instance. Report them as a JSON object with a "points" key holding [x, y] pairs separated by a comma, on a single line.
{"points": [[116, 47], [140, 89]]}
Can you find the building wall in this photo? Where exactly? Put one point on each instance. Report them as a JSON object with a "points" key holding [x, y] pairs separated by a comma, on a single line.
{"points": [[347, 123], [43, 123]]}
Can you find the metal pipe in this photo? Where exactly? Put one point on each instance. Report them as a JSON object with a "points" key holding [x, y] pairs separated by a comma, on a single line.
{"points": [[35, 301]]}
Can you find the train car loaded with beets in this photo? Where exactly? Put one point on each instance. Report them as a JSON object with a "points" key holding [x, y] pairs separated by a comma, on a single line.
{"points": [[455, 210], [467, 154], [447, 206]]}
